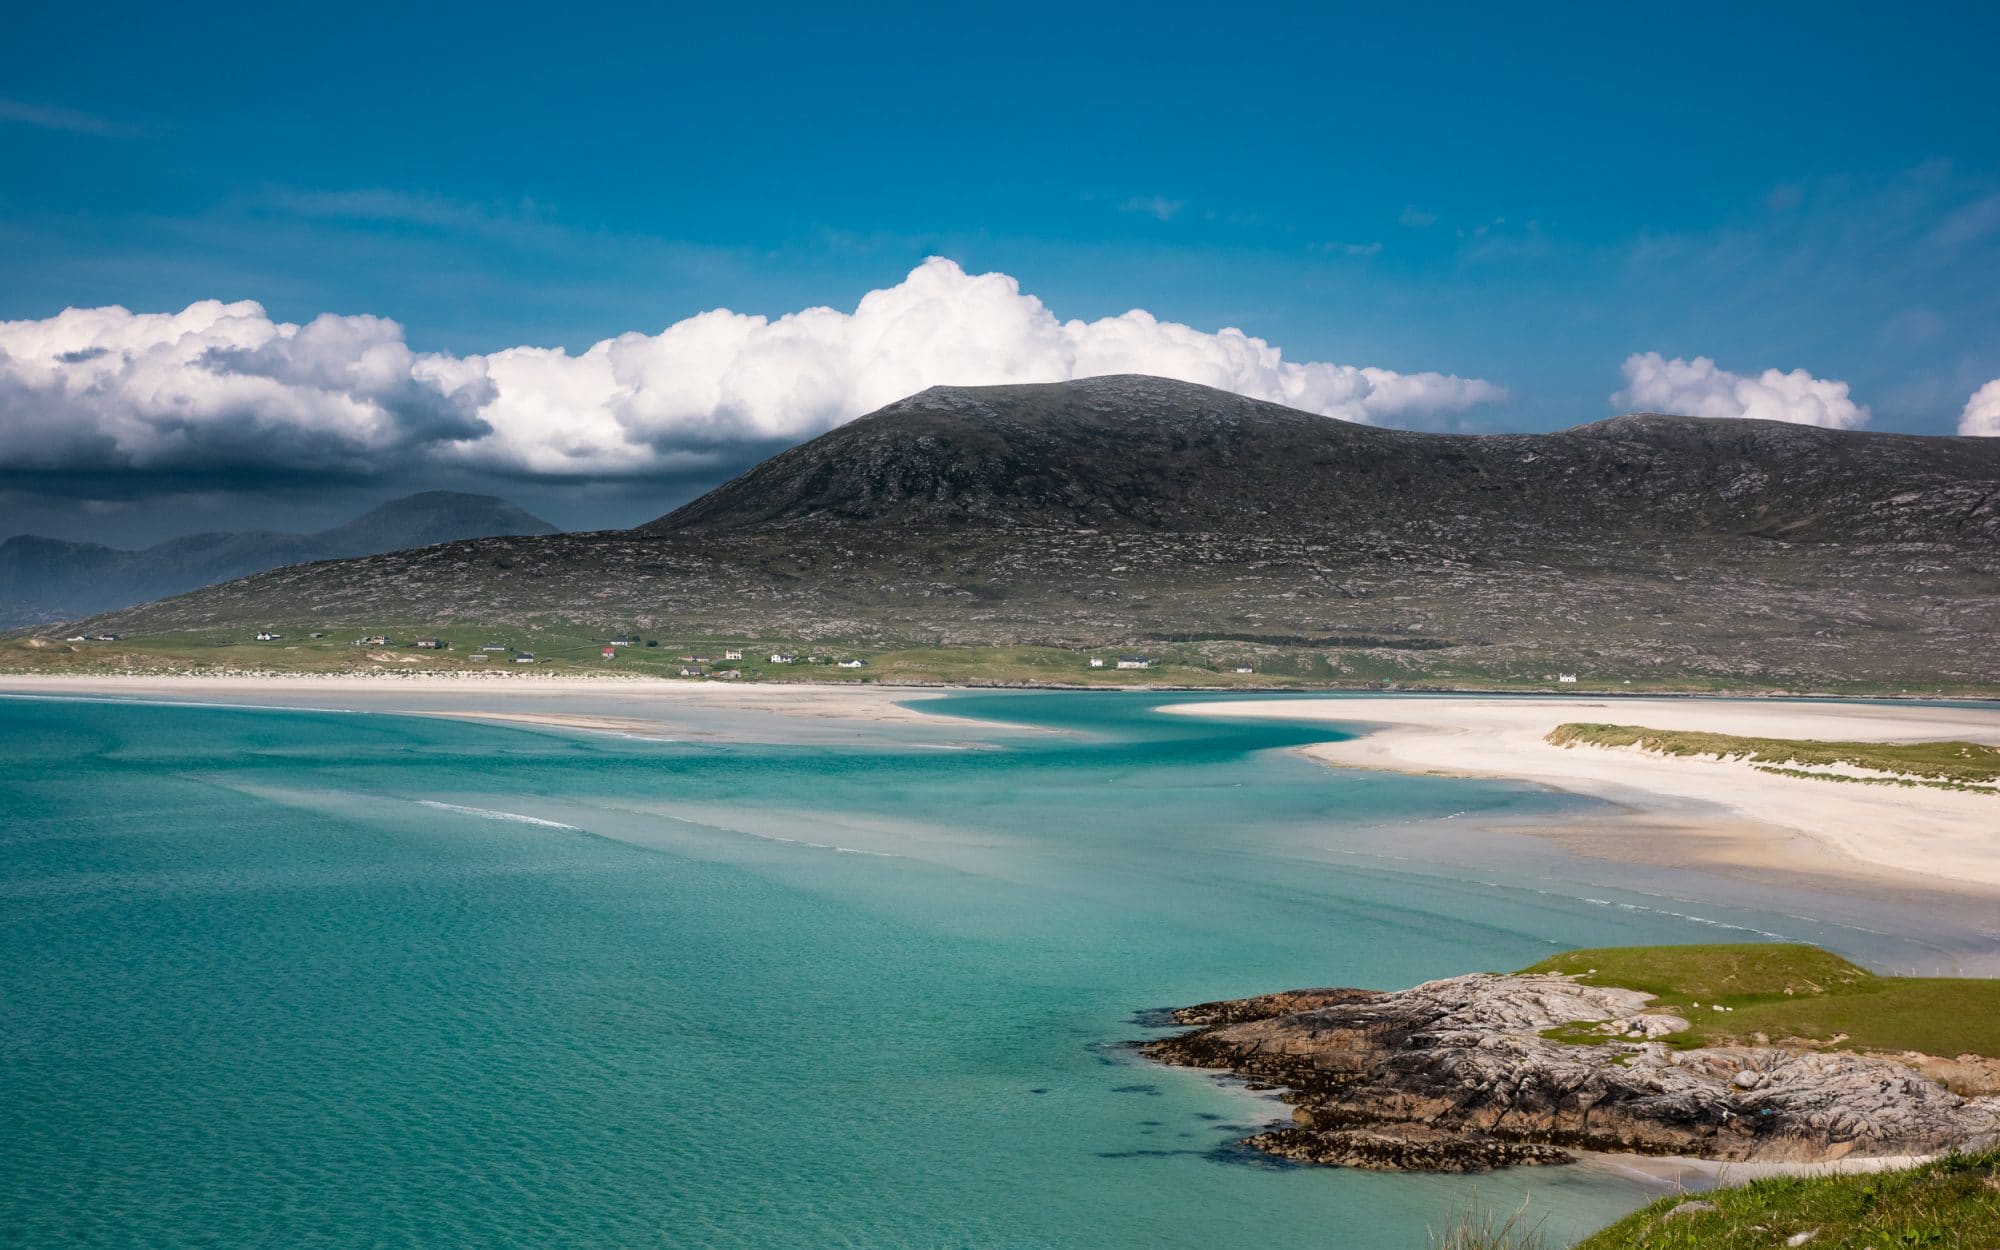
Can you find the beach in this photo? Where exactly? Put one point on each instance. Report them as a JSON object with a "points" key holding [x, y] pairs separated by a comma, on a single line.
{"points": [[1686, 810], [632, 706]]}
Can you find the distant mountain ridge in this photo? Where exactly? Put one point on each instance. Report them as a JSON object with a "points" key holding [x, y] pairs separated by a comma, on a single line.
{"points": [[1148, 514], [1149, 454], [48, 579]]}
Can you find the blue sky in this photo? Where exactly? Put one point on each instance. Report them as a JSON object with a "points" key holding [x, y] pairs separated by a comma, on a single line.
{"points": [[1528, 198]]}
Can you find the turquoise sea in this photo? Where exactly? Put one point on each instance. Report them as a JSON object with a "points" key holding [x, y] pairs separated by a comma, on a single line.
{"points": [[296, 978]]}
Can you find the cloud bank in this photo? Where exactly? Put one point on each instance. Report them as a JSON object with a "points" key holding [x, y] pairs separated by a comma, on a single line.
{"points": [[1982, 411], [224, 387], [1698, 388], [221, 387]]}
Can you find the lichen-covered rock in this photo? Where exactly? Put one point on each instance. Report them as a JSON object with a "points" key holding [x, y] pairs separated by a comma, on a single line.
{"points": [[1464, 1059], [1266, 1006]]}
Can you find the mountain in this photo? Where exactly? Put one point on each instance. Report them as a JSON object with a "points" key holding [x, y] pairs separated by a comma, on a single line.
{"points": [[1148, 455], [1136, 512], [47, 579]]}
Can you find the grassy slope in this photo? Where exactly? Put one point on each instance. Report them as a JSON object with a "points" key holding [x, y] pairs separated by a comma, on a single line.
{"points": [[1788, 991], [562, 646], [1802, 992], [1949, 1204], [1946, 763]]}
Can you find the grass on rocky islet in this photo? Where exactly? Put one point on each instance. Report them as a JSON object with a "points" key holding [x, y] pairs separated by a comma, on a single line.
{"points": [[1794, 993]]}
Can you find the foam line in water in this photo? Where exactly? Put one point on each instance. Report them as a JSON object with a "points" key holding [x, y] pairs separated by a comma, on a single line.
{"points": [[487, 813]]}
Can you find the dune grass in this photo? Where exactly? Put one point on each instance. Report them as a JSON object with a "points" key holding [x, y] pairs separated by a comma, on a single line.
{"points": [[1794, 992], [1947, 765], [1473, 1227], [1948, 1204]]}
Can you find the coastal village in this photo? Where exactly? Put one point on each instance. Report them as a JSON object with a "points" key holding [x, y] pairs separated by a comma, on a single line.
{"points": [[1361, 663], [711, 663], [656, 657]]}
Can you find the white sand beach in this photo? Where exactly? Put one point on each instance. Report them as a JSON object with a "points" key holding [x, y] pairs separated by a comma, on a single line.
{"points": [[1678, 1172], [1707, 809], [641, 707]]}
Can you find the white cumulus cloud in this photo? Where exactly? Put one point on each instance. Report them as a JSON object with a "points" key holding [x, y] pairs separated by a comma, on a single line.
{"points": [[1982, 411], [224, 386], [1699, 388]]}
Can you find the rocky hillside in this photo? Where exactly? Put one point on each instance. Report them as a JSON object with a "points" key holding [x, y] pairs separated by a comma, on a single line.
{"points": [[1147, 455], [47, 579], [1144, 513]]}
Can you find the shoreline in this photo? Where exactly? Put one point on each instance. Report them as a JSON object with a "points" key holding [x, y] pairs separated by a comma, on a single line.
{"points": [[1694, 812], [1677, 1172], [650, 708], [1413, 692], [788, 696]]}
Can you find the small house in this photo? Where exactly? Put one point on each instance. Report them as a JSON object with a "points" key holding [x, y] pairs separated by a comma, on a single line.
{"points": [[610, 653], [852, 664], [1567, 679], [374, 640], [428, 643], [1243, 668], [525, 657], [732, 655], [1097, 661], [779, 657], [689, 670], [1134, 661], [729, 674], [494, 647], [623, 640], [265, 635]]}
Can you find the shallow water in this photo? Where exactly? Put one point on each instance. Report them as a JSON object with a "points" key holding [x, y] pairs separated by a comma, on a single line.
{"points": [[310, 978]]}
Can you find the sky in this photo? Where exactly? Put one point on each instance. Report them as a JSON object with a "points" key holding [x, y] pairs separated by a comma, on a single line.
{"points": [[264, 268]]}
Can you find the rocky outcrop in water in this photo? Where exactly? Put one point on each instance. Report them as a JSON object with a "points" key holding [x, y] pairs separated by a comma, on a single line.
{"points": [[1455, 1075]]}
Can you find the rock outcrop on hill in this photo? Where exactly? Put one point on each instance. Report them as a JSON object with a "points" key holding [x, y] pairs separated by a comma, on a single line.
{"points": [[1455, 1075]]}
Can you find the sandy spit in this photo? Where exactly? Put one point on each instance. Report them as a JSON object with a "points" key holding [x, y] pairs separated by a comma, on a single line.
{"points": [[1724, 811], [645, 705]]}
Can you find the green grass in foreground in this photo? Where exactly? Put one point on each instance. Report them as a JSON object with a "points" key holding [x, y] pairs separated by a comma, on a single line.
{"points": [[1949, 1204], [1790, 992], [1948, 765]]}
